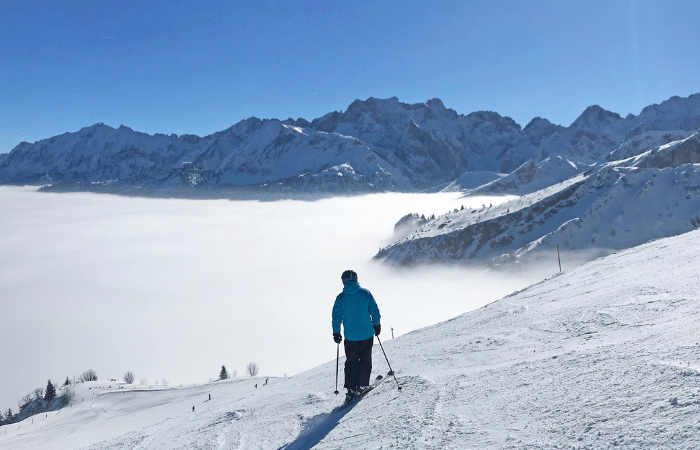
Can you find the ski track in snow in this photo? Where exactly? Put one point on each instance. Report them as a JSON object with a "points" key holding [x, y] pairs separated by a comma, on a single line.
{"points": [[602, 356]]}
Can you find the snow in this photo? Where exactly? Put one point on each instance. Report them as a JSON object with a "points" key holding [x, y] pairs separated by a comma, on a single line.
{"points": [[468, 180], [610, 206], [530, 177], [600, 356], [392, 146], [176, 288]]}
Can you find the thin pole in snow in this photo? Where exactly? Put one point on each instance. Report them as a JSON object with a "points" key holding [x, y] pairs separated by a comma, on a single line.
{"points": [[559, 257], [392, 332], [391, 372], [337, 357]]}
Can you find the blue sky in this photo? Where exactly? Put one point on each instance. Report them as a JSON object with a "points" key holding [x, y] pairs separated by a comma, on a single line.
{"points": [[199, 67]]}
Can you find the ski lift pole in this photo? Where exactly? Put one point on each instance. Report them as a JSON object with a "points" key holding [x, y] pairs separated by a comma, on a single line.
{"points": [[391, 372], [558, 257], [337, 357]]}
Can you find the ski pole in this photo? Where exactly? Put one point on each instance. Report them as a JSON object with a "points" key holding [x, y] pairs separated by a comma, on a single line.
{"points": [[337, 357], [391, 372]]}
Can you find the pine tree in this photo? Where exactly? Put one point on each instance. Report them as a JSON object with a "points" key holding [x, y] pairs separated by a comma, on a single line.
{"points": [[50, 392], [223, 375], [67, 382]]}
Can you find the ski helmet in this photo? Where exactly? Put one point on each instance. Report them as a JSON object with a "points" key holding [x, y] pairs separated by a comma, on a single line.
{"points": [[348, 275]]}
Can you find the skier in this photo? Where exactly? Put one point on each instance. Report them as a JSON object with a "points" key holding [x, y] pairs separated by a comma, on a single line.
{"points": [[356, 309]]}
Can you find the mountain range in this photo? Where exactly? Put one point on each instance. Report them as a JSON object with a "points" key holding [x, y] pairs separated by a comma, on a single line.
{"points": [[375, 145], [602, 184]]}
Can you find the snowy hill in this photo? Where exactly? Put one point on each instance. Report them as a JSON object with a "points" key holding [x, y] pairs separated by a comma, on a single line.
{"points": [[601, 356], [610, 207], [375, 145]]}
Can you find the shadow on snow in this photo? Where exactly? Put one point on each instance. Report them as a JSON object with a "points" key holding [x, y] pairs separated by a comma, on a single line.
{"points": [[316, 429]]}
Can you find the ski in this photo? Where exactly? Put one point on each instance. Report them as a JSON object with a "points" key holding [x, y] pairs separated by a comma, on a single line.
{"points": [[377, 382]]}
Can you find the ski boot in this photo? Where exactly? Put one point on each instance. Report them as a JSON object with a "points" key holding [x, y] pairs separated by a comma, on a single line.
{"points": [[350, 395]]}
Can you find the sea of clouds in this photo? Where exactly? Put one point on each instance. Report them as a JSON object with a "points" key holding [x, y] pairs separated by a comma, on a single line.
{"points": [[175, 289]]}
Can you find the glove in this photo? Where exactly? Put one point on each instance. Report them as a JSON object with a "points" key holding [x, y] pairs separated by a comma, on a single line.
{"points": [[337, 338], [377, 329]]}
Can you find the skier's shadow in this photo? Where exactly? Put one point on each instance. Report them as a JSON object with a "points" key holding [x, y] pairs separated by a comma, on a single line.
{"points": [[317, 428]]}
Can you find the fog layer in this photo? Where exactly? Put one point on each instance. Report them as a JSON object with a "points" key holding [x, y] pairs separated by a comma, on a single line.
{"points": [[176, 288]]}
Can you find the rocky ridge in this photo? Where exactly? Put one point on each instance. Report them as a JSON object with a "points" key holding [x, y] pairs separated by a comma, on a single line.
{"points": [[376, 145], [605, 208]]}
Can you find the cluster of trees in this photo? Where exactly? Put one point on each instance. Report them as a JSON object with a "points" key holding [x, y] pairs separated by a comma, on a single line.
{"points": [[88, 375], [429, 218], [130, 378], [252, 369], [39, 400]]}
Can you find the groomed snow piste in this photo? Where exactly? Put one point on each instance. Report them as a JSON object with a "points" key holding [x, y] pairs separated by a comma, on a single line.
{"points": [[601, 356]]}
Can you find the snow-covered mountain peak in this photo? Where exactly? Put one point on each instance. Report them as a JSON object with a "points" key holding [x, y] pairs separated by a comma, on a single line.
{"points": [[300, 122], [424, 145], [435, 104], [538, 123], [375, 108], [676, 113], [595, 117], [500, 123]]}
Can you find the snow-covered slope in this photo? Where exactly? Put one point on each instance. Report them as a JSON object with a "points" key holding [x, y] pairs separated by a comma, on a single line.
{"points": [[674, 154], [375, 145], [610, 207], [639, 141], [466, 181], [601, 356], [530, 177]]}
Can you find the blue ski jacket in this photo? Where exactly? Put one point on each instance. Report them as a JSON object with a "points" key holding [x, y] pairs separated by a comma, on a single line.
{"points": [[356, 309]]}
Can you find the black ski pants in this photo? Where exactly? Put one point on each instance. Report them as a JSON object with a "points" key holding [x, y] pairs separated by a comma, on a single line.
{"points": [[358, 362]]}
